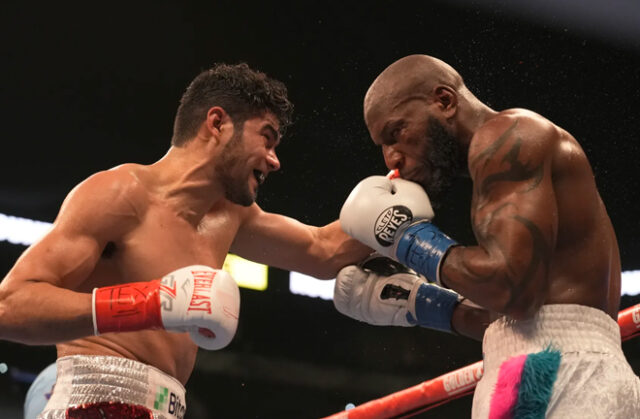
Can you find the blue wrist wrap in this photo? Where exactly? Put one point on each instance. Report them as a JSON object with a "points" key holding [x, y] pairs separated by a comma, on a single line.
{"points": [[434, 307], [422, 247]]}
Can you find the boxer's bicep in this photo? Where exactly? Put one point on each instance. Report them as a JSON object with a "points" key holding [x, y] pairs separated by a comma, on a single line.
{"points": [[38, 302], [514, 218], [286, 243], [273, 239], [93, 214], [61, 258], [517, 233]]}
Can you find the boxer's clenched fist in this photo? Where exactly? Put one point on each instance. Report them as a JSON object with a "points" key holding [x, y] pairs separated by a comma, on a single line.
{"points": [[197, 299]]}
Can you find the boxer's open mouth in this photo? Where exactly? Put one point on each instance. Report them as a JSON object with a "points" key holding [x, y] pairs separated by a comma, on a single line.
{"points": [[260, 177]]}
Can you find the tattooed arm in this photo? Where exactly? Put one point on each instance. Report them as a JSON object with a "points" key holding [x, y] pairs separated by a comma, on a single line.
{"points": [[514, 217]]}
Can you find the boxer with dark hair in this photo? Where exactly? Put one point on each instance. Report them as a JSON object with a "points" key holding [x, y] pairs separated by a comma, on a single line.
{"points": [[128, 282]]}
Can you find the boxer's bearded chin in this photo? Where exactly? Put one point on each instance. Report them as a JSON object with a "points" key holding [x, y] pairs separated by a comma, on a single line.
{"points": [[236, 187], [445, 160]]}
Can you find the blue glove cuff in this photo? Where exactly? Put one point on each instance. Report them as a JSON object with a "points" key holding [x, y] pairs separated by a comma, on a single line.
{"points": [[422, 247], [434, 307]]}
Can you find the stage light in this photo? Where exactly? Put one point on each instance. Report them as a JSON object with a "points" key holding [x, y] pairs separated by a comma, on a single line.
{"points": [[247, 274]]}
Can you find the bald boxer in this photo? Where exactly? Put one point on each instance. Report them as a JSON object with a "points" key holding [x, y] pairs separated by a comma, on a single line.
{"points": [[546, 259], [128, 282]]}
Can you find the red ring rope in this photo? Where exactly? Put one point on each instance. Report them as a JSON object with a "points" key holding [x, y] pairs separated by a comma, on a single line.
{"points": [[440, 390]]}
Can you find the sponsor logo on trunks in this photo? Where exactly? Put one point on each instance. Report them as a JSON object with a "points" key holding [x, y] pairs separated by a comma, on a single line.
{"points": [[388, 222], [169, 402], [461, 380], [201, 300], [176, 406], [162, 395]]}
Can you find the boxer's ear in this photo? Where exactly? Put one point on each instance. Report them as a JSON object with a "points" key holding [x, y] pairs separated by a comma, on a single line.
{"points": [[217, 123], [446, 99]]}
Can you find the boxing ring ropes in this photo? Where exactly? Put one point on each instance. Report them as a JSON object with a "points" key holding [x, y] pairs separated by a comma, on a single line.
{"points": [[453, 385]]}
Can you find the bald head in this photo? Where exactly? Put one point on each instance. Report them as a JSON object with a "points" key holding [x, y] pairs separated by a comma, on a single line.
{"points": [[410, 77]]}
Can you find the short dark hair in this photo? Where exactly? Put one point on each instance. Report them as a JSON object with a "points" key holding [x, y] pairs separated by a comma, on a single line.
{"points": [[241, 91]]}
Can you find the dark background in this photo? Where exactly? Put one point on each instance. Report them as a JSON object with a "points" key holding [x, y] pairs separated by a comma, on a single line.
{"points": [[88, 86]]}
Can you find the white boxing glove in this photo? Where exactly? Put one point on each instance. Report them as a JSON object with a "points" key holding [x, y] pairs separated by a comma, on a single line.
{"points": [[207, 305], [379, 209], [197, 299], [366, 296], [384, 293]]}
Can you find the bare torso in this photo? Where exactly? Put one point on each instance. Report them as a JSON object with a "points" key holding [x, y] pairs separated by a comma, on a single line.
{"points": [[160, 242], [585, 268], [578, 238]]}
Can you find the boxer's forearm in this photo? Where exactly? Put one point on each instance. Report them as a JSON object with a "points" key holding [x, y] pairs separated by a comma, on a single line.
{"points": [[38, 313], [487, 279], [470, 320], [289, 244], [342, 250]]}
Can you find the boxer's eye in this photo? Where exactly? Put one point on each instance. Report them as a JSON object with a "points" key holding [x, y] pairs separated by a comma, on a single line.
{"points": [[396, 132], [390, 140]]}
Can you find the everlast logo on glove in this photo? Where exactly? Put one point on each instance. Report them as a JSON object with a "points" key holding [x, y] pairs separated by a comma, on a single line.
{"points": [[388, 222], [200, 300]]}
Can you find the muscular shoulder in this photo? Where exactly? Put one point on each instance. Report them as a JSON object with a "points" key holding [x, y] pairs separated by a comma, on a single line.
{"points": [[514, 135], [106, 199], [113, 187]]}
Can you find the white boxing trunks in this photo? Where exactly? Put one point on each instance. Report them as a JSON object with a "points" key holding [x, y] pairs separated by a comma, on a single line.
{"points": [[566, 362], [113, 387]]}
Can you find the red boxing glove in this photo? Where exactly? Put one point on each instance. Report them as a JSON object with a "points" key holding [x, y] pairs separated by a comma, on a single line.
{"points": [[197, 299]]}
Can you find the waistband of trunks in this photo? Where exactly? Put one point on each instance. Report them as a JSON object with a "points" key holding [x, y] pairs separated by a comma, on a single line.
{"points": [[85, 379], [564, 327]]}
